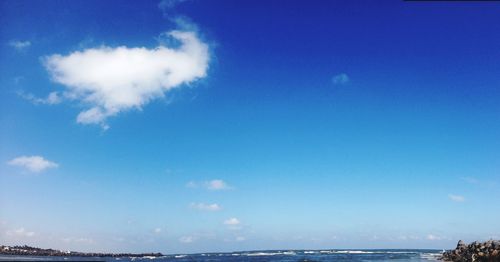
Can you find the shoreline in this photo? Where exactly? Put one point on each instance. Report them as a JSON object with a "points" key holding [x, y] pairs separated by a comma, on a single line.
{"points": [[28, 251]]}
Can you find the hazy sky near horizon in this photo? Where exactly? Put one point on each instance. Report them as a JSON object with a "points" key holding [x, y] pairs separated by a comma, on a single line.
{"points": [[194, 126]]}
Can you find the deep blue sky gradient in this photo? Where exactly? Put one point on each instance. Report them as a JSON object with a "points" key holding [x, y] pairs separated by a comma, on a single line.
{"points": [[366, 164]]}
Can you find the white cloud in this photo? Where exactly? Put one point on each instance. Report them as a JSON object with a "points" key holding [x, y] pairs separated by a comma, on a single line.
{"points": [[166, 5], [470, 180], [52, 98], [433, 237], [33, 163], [20, 45], [157, 230], [79, 240], [456, 198], [188, 239], [20, 232], [240, 238], [232, 222], [216, 184], [205, 207], [340, 79], [112, 80]]}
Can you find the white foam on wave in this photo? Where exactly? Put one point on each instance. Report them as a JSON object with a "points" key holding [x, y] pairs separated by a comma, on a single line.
{"points": [[353, 252], [284, 253], [430, 256]]}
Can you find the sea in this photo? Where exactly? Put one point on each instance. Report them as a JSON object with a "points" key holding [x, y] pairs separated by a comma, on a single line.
{"points": [[413, 255]]}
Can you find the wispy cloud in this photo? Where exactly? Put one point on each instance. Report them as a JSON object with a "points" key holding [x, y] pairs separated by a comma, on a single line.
{"points": [[205, 207], [78, 240], [20, 45], [20, 232], [470, 180], [167, 5], [213, 185], [110, 80], [188, 239], [217, 184], [233, 223], [340, 79], [434, 237], [52, 98], [157, 230], [456, 198], [479, 182], [33, 163], [240, 238]]}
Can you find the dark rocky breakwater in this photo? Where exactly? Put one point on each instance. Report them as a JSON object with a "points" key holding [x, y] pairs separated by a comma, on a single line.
{"points": [[488, 251]]}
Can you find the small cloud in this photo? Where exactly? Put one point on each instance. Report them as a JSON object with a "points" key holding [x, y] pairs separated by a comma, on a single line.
{"points": [[233, 223], [52, 98], [213, 185], [20, 232], [216, 184], [433, 237], [470, 180], [240, 238], [20, 45], [205, 207], [79, 240], [456, 198], [188, 239], [157, 230], [340, 79], [33, 163]]}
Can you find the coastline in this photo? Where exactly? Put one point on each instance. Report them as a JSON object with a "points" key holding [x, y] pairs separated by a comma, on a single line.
{"points": [[42, 252], [251, 255]]}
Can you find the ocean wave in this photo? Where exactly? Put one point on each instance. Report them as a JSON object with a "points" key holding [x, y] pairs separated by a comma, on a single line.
{"points": [[283, 253], [430, 256], [353, 252]]}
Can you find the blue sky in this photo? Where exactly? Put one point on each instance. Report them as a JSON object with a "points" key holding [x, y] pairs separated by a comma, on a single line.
{"points": [[194, 126]]}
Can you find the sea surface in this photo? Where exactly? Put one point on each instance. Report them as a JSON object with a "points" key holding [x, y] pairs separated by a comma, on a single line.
{"points": [[413, 255]]}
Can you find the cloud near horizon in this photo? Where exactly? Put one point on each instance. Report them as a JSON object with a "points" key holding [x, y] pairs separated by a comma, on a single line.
{"points": [[188, 239], [33, 164], [110, 80], [20, 232]]}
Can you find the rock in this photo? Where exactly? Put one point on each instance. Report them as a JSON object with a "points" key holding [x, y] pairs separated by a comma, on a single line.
{"points": [[488, 251]]}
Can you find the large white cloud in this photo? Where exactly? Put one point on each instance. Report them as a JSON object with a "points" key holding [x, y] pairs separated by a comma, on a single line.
{"points": [[111, 80], [33, 163]]}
